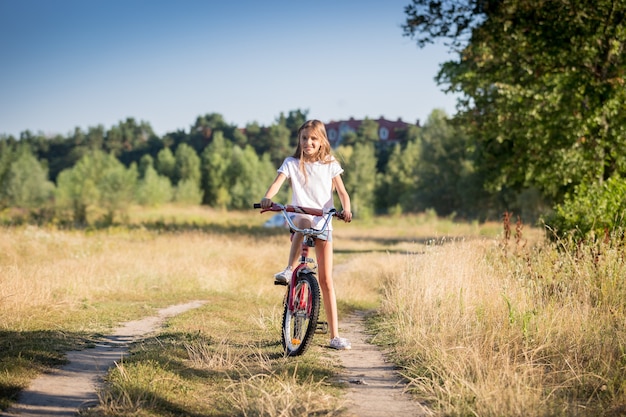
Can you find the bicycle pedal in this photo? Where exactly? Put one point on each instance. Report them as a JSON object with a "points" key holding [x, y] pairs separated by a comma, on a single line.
{"points": [[280, 283], [322, 327]]}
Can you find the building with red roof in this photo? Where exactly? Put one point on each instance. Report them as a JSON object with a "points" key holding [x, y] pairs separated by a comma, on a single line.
{"points": [[388, 130]]}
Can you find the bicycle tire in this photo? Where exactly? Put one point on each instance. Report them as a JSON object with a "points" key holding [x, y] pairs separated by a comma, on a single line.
{"points": [[299, 326]]}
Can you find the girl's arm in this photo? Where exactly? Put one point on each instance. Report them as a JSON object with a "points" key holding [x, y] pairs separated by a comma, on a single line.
{"points": [[266, 201], [343, 197]]}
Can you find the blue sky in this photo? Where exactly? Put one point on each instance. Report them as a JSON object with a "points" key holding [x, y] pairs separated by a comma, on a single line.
{"points": [[81, 63]]}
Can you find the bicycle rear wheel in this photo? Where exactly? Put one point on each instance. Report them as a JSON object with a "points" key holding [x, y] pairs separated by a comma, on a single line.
{"points": [[300, 324]]}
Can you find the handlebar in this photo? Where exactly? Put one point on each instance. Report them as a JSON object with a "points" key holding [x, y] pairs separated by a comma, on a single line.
{"points": [[302, 210]]}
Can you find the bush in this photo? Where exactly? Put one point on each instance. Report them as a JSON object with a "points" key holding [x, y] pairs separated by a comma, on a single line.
{"points": [[26, 182], [593, 211], [98, 181], [154, 189], [188, 192]]}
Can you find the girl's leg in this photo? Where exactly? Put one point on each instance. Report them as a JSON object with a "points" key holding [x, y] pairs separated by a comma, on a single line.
{"points": [[296, 242], [324, 253], [294, 252]]}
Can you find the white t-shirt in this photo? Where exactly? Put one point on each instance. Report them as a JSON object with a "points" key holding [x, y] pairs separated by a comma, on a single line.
{"points": [[315, 190]]}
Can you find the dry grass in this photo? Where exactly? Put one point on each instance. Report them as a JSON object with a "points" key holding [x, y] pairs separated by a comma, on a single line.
{"points": [[61, 288], [485, 332], [479, 328], [280, 395], [64, 271]]}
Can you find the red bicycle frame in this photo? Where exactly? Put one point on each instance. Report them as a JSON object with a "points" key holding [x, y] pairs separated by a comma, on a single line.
{"points": [[294, 278], [306, 243]]}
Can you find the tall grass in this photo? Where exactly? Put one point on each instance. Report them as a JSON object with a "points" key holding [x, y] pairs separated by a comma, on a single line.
{"points": [[65, 272], [480, 325], [60, 289], [162, 257], [483, 329]]}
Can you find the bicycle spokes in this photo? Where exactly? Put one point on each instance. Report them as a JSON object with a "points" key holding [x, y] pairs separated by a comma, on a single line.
{"points": [[300, 316]]}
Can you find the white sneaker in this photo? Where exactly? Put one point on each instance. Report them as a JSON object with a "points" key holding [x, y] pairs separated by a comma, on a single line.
{"points": [[284, 276], [340, 343]]}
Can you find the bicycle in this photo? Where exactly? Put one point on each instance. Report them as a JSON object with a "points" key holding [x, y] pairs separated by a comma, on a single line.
{"points": [[302, 299]]}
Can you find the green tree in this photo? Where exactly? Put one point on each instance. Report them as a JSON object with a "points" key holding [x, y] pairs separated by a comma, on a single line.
{"points": [[442, 165], [210, 122], [60, 153], [116, 186], [398, 185], [114, 140], [97, 181], [240, 138], [145, 162], [26, 183], [126, 136], [95, 137], [215, 165], [188, 192], [254, 135], [293, 121], [187, 165], [360, 179], [205, 127], [249, 176], [39, 144], [187, 175], [592, 211], [166, 164], [6, 157], [541, 84], [154, 189], [77, 189], [274, 140]]}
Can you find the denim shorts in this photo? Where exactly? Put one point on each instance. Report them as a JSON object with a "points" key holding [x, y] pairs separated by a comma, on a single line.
{"points": [[327, 236]]}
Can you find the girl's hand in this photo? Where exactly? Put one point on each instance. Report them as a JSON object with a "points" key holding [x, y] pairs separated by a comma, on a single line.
{"points": [[266, 203], [346, 216]]}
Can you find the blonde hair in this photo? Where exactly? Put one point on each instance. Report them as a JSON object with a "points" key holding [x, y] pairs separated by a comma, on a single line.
{"points": [[324, 155], [319, 131]]}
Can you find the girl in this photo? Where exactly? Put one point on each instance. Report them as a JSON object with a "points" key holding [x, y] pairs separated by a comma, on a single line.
{"points": [[314, 174]]}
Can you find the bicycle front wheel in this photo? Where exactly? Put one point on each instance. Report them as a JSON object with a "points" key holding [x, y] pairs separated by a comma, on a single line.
{"points": [[300, 323]]}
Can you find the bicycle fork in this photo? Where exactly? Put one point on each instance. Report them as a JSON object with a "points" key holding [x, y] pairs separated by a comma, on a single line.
{"points": [[299, 300]]}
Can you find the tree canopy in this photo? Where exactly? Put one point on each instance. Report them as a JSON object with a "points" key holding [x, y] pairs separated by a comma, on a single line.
{"points": [[95, 174], [541, 83]]}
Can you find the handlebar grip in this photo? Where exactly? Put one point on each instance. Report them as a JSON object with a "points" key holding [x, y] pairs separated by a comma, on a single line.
{"points": [[257, 205]]}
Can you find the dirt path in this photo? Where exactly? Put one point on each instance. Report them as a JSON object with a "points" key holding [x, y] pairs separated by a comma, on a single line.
{"points": [[375, 388], [64, 391]]}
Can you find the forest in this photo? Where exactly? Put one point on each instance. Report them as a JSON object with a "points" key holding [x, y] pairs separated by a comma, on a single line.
{"points": [[224, 166]]}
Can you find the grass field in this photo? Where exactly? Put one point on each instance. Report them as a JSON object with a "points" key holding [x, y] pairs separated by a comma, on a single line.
{"points": [[480, 325]]}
